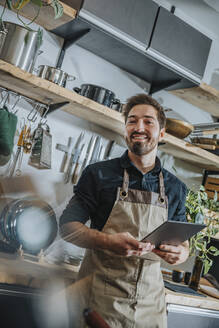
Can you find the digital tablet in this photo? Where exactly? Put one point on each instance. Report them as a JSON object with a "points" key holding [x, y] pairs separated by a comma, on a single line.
{"points": [[173, 233]]}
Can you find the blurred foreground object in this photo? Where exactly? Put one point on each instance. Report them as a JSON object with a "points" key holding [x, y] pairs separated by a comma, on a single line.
{"points": [[94, 320], [26, 222]]}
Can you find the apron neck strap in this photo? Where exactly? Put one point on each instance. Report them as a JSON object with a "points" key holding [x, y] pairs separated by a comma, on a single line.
{"points": [[125, 184], [162, 187]]}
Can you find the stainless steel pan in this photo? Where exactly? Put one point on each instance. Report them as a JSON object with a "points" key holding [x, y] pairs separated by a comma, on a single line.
{"points": [[101, 95], [54, 75]]}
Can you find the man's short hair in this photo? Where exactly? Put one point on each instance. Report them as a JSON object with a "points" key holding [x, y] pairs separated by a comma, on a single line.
{"points": [[143, 99]]}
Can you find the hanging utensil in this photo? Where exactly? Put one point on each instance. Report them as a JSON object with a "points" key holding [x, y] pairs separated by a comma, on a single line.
{"points": [[18, 152], [88, 154], [94, 156], [67, 152], [109, 149], [73, 159], [77, 167], [41, 152]]}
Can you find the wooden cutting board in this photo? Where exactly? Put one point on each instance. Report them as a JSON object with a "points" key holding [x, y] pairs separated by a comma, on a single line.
{"points": [[209, 290]]}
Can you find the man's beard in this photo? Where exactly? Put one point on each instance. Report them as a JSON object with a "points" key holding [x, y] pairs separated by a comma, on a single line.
{"points": [[140, 148]]}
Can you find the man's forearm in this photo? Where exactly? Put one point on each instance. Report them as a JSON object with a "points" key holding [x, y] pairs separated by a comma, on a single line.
{"points": [[118, 243], [82, 236]]}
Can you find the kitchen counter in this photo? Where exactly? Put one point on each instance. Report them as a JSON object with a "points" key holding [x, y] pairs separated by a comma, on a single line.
{"points": [[190, 300], [34, 271]]}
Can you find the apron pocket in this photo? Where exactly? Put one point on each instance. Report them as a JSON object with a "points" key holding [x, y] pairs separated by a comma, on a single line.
{"points": [[121, 289]]}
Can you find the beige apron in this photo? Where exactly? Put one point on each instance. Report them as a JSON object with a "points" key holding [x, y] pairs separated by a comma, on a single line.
{"points": [[128, 292]]}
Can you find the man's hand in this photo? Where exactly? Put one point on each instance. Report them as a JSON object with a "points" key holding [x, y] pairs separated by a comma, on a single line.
{"points": [[173, 254], [119, 243], [126, 245]]}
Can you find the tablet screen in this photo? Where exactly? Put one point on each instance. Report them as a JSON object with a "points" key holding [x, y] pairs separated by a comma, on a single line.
{"points": [[173, 233]]}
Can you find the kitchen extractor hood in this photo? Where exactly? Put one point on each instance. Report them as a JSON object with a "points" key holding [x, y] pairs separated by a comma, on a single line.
{"points": [[133, 35]]}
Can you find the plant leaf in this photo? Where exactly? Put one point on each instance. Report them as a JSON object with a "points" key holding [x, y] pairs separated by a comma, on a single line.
{"points": [[9, 4], [58, 8], [212, 249], [19, 4], [26, 37], [37, 2], [39, 37], [207, 265]]}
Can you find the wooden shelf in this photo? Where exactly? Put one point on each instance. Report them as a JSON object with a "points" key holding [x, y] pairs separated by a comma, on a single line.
{"points": [[204, 96], [26, 84], [46, 16]]}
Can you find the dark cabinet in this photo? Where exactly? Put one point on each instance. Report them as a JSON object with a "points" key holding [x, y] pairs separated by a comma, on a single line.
{"points": [[180, 43], [134, 18]]}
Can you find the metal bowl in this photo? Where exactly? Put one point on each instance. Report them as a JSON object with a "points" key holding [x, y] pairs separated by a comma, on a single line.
{"points": [[178, 128]]}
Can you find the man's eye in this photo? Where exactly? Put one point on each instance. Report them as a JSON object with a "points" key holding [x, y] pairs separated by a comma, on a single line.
{"points": [[149, 122], [132, 121]]}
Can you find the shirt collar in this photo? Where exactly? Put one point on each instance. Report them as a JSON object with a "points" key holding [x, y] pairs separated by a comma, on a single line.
{"points": [[126, 163]]}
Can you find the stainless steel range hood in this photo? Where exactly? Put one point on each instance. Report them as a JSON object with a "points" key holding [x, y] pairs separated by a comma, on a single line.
{"points": [[131, 35]]}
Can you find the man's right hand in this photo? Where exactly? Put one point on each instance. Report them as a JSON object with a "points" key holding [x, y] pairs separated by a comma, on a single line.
{"points": [[123, 244], [126, 245]]}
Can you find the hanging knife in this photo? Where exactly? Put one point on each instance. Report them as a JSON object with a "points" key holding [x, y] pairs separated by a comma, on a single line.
{"points": [[74, 157], [77, 167], [89, 151], [101, 153], [109, 149], [94, 156], [67, 150]]}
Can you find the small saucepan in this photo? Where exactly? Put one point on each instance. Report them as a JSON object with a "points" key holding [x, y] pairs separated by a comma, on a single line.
{"points": [[54, 75], [101, 95]]}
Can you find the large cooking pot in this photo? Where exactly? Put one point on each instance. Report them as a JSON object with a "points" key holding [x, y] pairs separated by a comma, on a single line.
{"points": [[54, 75], [101, 95], [3, 35], [178, 128], [27, 223], [20, 46]]}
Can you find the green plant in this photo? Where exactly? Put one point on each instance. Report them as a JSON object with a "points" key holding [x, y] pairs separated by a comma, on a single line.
{"points": [[201, 209], [17, 6]]}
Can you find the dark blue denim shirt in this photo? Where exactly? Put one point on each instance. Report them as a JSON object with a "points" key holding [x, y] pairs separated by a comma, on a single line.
{"points": [[96, 191]]}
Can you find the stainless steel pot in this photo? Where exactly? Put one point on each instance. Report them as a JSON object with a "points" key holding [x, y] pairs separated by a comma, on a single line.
{"points": [[101, 95], [20, 46], [54, 75], [118, 107], [3, 34]]}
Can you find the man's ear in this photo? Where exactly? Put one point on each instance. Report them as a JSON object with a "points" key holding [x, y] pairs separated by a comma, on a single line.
{"points": [[162, 134]]}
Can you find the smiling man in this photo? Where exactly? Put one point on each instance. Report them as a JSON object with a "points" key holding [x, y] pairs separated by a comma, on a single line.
{"points": [[126, 198]]}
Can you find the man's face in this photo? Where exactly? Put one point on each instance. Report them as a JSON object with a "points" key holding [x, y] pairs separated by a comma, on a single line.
{"points": [[142, 130]]}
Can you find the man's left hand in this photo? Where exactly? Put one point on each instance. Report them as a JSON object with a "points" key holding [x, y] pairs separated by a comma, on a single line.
{"points": [[173, 254]]}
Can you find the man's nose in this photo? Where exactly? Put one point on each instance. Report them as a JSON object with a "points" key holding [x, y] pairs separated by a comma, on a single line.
{"points": [[140, 125]]}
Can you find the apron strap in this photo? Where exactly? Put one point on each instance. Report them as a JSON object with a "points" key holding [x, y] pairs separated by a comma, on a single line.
{"points": [[125, 184], [162, 188]]}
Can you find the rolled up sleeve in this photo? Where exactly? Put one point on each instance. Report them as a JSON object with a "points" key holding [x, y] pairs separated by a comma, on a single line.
{"points": [[84, 202]]}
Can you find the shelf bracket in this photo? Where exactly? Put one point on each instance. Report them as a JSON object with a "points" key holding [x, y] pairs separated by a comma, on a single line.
{"points": [[67, 43], [163, 85]]}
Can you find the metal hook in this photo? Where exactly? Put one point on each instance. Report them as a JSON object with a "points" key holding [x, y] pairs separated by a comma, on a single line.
{"points": [[43, 119], [32, 116], [15, 104], [5, 99]]}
